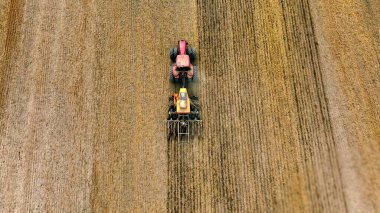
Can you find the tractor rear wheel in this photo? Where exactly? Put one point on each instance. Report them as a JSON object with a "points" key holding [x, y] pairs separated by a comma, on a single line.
{"points": [[173, 52], [195, 73], [171, 77]]}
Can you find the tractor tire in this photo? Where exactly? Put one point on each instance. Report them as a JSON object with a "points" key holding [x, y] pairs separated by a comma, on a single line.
{"points": [[174, 117], [192, 53], [171, 77], [173, 52], [171, 103], [195, 75], [171, 110], [198, 116], [195, 98]]}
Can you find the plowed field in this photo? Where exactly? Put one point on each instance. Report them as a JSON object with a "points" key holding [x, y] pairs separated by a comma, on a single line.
{"points": [[290, 94]]}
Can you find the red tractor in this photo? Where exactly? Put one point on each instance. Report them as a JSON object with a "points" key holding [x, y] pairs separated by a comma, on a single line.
{"points": [[183, 68]]}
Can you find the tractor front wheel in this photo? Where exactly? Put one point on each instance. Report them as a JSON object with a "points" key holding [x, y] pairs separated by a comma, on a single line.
{"points": [[191, 52], [173, 52]]}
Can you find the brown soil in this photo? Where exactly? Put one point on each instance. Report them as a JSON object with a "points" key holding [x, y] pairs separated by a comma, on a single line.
{"points": [[289, 92]]}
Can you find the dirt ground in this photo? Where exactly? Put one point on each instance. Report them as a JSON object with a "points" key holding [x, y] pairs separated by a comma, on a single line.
{"points": [[290, 92]]}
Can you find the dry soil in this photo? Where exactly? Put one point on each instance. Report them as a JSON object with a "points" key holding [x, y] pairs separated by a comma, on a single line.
{"points": [[290, 92]]}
